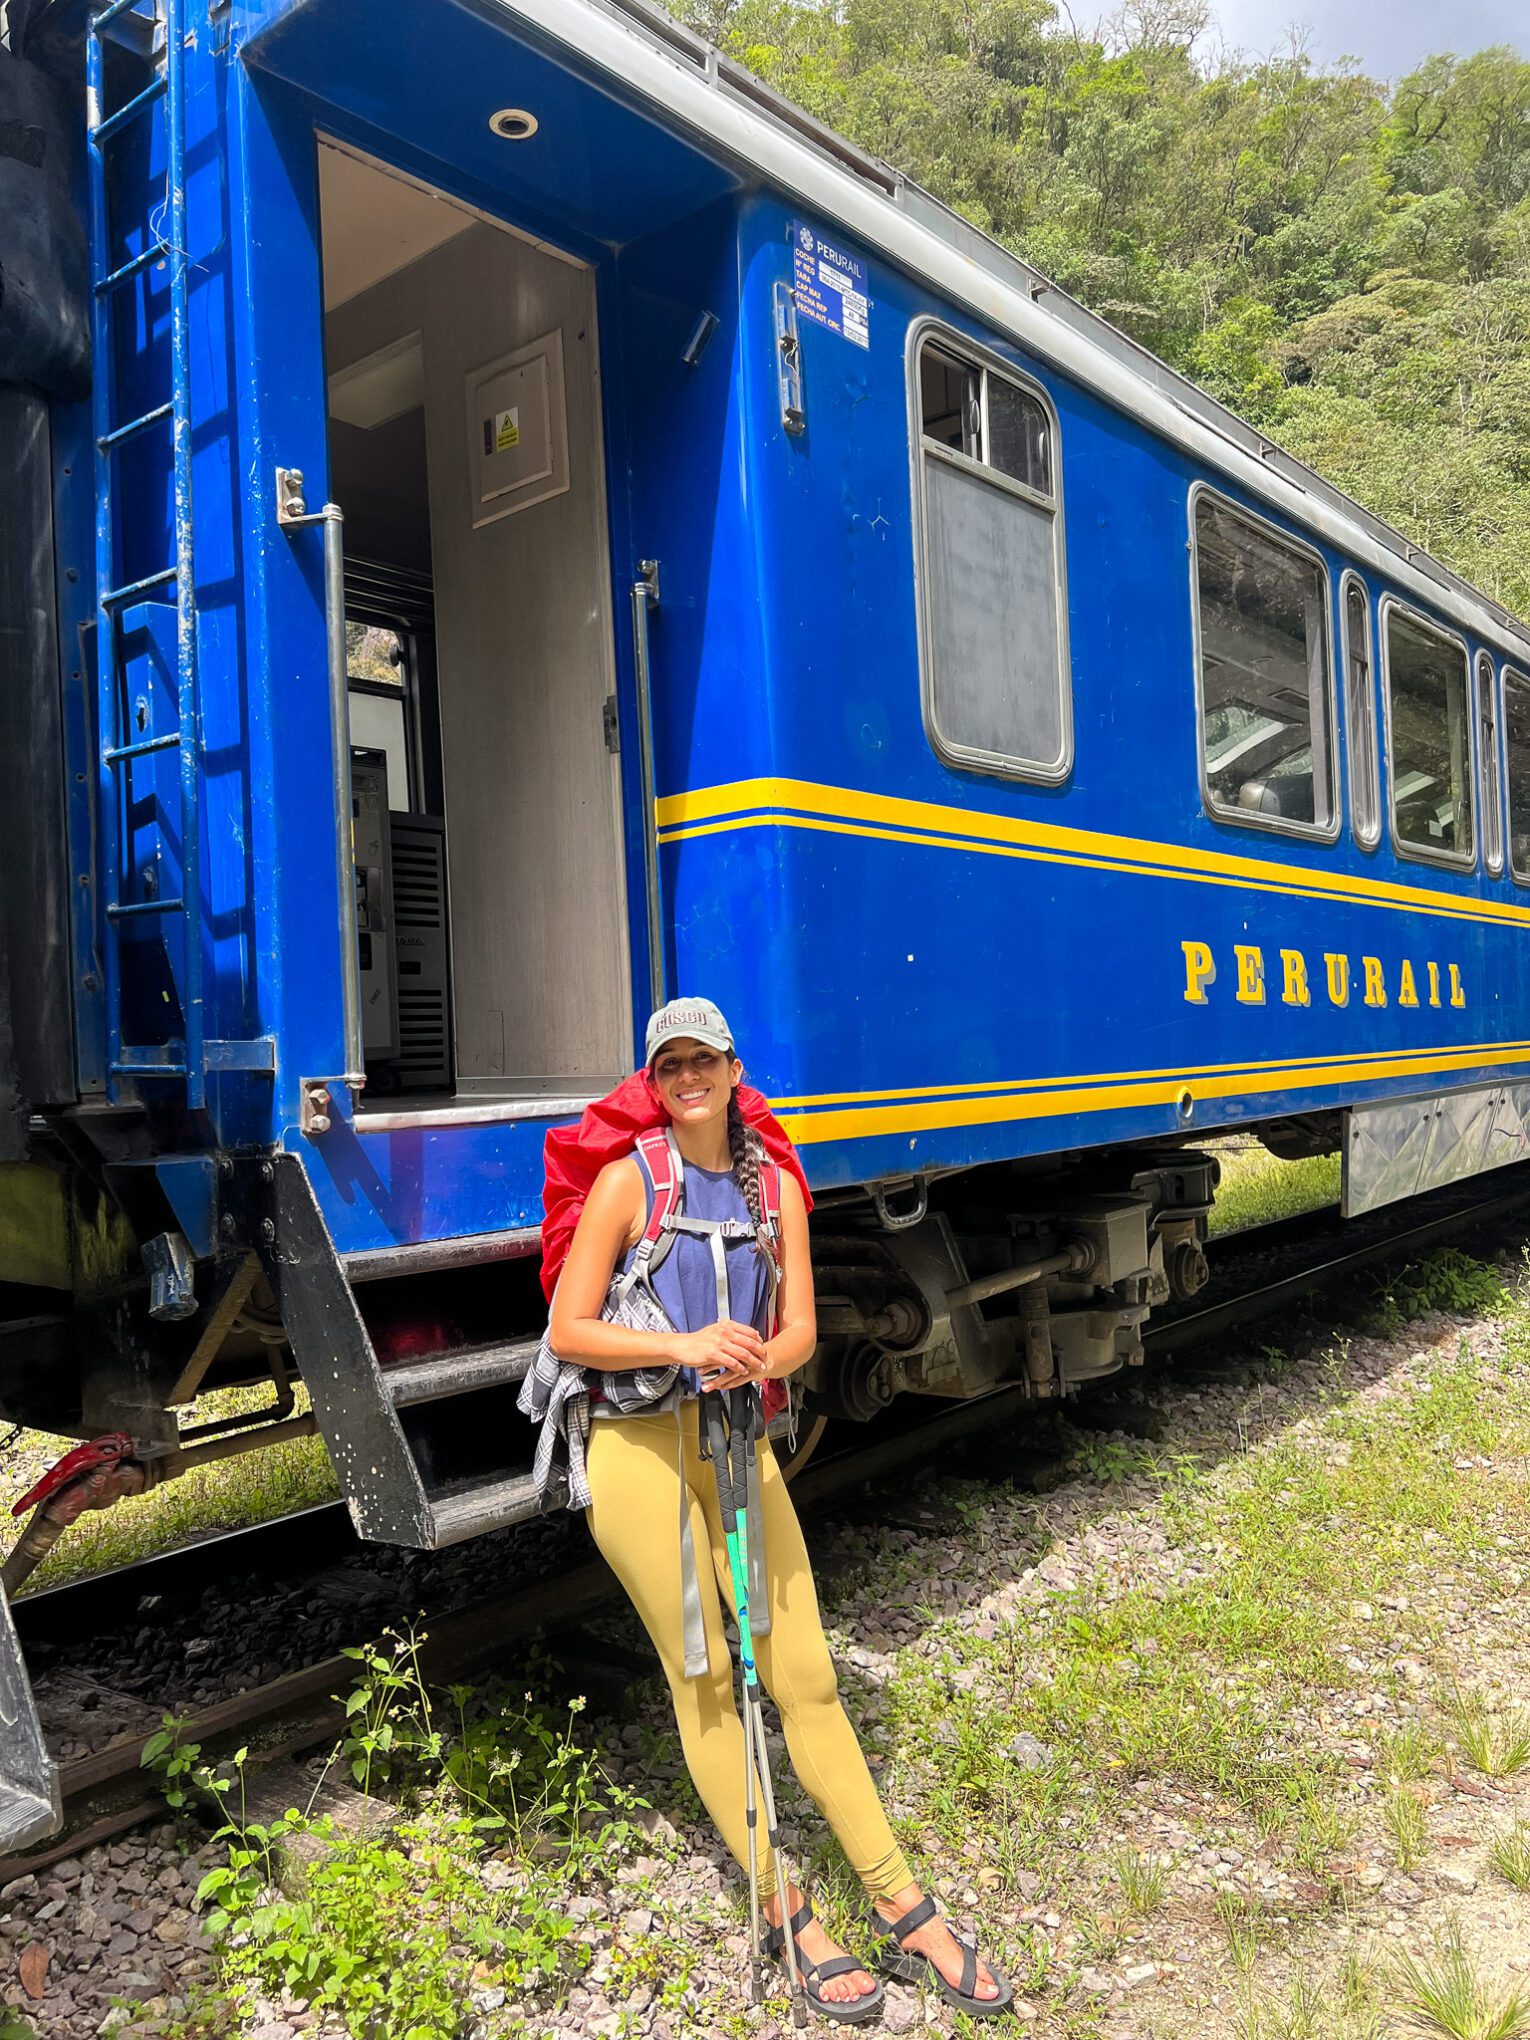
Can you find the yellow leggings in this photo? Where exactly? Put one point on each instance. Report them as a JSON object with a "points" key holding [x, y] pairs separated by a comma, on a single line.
{"points": [[635, 1485]]}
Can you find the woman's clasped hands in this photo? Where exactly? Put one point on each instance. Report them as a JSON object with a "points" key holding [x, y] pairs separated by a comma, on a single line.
{"points": [[725, 1355]]}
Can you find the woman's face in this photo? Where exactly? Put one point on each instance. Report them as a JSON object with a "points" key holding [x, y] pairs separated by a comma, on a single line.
{"points": [[695, 1082]]}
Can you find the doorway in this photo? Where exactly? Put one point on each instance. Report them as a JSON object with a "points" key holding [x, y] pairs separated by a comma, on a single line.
{"points": [[466, 451]]}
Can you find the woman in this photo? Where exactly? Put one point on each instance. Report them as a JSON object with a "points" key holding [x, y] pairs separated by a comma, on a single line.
{"points": [[637, 1463]]}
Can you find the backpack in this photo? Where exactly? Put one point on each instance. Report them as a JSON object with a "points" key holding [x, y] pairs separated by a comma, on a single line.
{"points": [[573, 1156]]}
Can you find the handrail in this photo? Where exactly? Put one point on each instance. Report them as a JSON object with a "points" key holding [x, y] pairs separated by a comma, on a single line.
{"points": [[645, 596], [292, 515]]}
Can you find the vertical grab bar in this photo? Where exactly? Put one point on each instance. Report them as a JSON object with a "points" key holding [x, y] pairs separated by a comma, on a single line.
{"points": [[293, 515], [645, 596]]}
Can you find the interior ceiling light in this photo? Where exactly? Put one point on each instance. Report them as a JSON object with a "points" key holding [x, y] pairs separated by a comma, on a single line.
{"points": [[514, 124]]}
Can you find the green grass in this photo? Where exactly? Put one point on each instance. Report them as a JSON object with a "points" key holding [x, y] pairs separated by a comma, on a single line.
{"points": [[1509, 1854], [227, 1495], [1256, 1187], [1444, 1994], [1191, 1677]]}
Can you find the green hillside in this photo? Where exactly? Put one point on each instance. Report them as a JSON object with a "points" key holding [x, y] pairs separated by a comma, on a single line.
{"points": [[1346, 264]]}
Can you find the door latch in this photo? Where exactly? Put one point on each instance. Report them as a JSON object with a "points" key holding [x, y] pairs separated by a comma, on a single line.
{"points": [[789, 361]]}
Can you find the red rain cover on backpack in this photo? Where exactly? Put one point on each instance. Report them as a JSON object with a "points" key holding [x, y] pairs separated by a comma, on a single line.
{"points": [[573, 1156]]}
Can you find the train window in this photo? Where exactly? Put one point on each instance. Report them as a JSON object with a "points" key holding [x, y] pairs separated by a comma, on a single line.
{"points": [[1487, 745], [994, 651], [1516, 730], [1360, 715], [1266, 696], [1429, 738]]}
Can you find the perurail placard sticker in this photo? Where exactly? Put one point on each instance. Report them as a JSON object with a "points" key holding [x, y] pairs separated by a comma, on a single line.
{"points": [[830, 286]]}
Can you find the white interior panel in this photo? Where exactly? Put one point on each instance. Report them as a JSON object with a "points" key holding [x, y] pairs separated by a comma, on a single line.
{"points": [[524, 651]]}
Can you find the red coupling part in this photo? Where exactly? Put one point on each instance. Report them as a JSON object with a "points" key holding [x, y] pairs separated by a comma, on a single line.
{"points": [[109, 1450]]}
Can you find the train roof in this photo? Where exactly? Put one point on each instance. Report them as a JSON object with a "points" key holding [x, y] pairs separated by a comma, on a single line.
{"points": [[646, 51]]}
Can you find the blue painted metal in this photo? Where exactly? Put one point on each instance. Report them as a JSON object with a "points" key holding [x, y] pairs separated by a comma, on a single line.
{"points": [[112, 439], [190, 1183], [914, 960]]}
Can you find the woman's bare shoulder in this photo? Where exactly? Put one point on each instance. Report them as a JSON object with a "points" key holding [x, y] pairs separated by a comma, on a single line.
{"points": [[618, 1186]]}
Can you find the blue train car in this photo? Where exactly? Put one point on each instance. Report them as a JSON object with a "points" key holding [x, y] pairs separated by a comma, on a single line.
{"points": [[508, 520]]}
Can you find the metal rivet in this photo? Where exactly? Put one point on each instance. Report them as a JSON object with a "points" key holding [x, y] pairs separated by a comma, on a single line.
{"points": [[267, 1230]]}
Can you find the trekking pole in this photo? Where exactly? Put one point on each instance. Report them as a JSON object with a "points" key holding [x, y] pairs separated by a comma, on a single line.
{"points": [[731, 1434]]}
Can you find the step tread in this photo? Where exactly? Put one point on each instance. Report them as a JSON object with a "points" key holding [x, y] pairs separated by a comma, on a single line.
{"points": [[458, 1370], [476, 1507]]}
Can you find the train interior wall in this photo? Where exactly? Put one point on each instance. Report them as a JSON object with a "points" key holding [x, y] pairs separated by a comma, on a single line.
{"points": [[466, 452]]}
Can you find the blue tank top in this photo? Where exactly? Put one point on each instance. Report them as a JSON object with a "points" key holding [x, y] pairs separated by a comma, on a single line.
{"points": [[685, 1282]]}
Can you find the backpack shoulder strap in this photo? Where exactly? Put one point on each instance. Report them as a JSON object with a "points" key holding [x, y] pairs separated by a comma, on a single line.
{"points": [[659, 1159]]}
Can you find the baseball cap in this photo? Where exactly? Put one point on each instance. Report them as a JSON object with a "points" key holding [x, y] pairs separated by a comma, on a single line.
{"points": [[697, 1019]]}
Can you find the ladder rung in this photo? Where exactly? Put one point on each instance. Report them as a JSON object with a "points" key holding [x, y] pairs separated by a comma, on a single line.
{"points": [[115, 122], [172, 904], [110, 14], [134, 426], [142, 747], [115, 597], [131, 268]]}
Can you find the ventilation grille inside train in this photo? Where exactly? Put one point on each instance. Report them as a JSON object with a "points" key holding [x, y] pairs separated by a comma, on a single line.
{"points": [[419, 878], [424, 1061]]}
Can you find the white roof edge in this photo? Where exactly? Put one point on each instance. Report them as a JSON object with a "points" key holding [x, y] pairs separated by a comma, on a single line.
{"points": [[647, 53]]}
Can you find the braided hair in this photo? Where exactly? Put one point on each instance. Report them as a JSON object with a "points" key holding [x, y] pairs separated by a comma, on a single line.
{"points": [[747, 1151]]}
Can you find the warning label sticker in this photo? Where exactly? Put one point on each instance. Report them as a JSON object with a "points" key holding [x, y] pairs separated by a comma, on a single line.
{"points": [[502, 431], [830, 286]]}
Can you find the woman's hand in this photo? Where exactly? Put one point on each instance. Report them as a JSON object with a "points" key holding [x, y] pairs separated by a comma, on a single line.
{"points": [[725, 1355]]}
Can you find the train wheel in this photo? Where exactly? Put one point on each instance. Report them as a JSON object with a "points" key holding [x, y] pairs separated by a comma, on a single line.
{"points": [[807, 1445]]}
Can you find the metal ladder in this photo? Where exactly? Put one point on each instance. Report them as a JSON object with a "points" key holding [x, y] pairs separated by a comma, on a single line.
{"points": [[186, 1059]]}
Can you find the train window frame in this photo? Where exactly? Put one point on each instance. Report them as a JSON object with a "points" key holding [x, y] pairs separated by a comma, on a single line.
{"points": [[1490, 794], [984, 361], [1406, 850], [1519, 676], [1363, 751], [1326, 831]]}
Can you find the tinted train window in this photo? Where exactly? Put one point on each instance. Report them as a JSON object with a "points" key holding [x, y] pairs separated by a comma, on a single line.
{"points": [[992, 570], [1266, 707], [1516, 730], [1360, 716], [1429, 738], [1487, 751]]}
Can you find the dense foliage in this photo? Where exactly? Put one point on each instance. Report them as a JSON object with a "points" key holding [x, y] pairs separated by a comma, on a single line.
{"points": [[1346, 263]]}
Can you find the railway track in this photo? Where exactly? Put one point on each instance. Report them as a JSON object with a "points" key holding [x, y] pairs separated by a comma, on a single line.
{"points": [[1291, 1260]]}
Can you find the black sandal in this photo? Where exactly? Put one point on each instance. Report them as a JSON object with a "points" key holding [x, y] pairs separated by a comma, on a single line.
{"points": [[909, 1966], [852, 2011]]}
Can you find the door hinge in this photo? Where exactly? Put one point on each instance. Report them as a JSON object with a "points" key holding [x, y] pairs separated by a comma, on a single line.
{"points": [[609, 724]]}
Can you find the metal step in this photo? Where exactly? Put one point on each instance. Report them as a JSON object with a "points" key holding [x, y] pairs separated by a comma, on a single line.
{"points": [[458, 1372], [472, 1511], [384, 1457]]}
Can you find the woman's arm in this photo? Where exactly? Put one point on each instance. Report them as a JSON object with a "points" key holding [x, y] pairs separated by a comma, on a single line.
{"points": [[796, 1320], [611, 1221]]}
